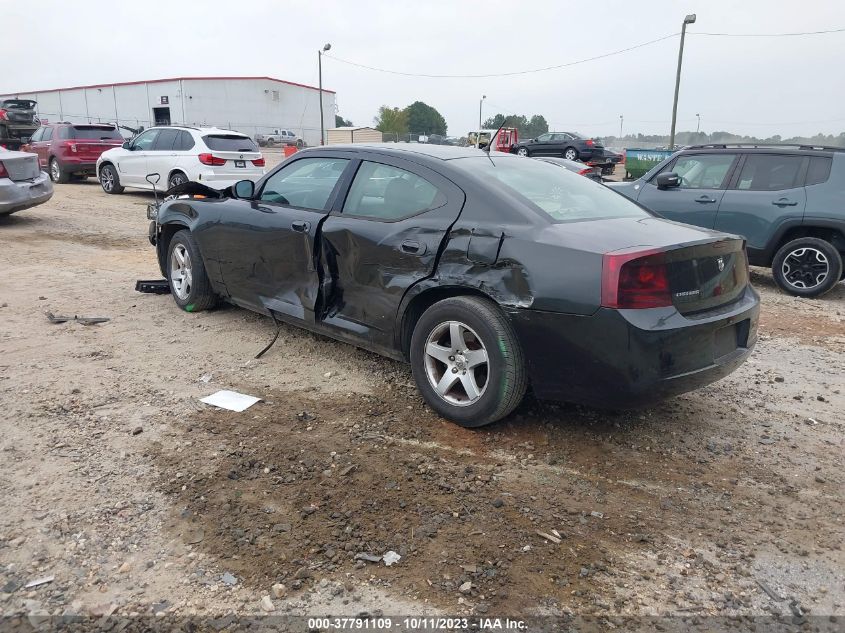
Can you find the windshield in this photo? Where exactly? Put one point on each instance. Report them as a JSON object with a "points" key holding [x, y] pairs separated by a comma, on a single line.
{"points": [[94, 132], [230, 143], [561, 195]]}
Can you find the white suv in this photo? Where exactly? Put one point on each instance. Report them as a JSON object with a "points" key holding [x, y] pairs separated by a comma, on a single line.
{"points": [[217, 158]]}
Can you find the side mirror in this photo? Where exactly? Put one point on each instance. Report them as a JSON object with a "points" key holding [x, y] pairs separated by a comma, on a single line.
{"points": [[244, 189], [667, 180], [126, 145]]}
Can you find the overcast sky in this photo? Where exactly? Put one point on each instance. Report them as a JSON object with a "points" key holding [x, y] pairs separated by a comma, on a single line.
{"points": [[760, 86]]}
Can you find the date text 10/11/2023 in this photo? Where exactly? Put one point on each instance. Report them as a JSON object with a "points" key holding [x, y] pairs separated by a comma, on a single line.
{"points": [[418, 624]]}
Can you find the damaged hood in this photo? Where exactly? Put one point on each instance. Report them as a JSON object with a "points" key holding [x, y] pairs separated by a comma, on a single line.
{"points": [[193, 188]]}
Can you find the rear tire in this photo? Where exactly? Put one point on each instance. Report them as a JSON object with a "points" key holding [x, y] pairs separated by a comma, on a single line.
{"points": [[469, 340], [523, 151], [57, 174], [189, 283], [109, 180], [807, 267], [570, 153]]}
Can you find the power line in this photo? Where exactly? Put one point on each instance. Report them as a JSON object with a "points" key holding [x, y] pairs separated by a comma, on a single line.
{"points": [[508, 74], [842, 30]]}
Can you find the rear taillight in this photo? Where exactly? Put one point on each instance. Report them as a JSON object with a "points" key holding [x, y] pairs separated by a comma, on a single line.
{"points": [[3, 115], [210, 159], [72, 147], [590, 142], [3, 172], [258, 162], [585, 172], [634, 280]]}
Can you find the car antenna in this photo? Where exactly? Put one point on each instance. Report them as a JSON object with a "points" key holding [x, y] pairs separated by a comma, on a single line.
{"points": [[493, 138]]}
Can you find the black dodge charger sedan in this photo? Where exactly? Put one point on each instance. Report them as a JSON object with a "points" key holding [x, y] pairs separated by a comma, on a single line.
{"points": [[488, 272]]}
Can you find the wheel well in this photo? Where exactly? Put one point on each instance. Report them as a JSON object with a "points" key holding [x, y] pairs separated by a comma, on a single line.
{"points": [[423, 302], [167, 233], [834, 236], [103, 164], [176, 171]]}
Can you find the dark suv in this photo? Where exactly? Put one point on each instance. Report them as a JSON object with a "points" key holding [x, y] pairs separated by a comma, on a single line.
{"points": [[787, 201], [72, 149]]}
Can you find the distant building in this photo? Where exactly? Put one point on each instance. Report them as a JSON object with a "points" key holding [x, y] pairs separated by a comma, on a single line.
{"points": [[252, 105], [339, 135]]}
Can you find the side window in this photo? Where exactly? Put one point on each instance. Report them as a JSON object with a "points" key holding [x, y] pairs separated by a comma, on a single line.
{"points": [[185, 142], [37, 135], [544, 138], [389, 193], [145, 140], [819, 170], [306, 183], [769, 172], [47, 134], [165, 140], [703, 171]]}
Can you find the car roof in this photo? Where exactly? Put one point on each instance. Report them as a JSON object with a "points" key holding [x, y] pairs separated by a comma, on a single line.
{"points": [[763, 147], [201, 130], [400, 150]]}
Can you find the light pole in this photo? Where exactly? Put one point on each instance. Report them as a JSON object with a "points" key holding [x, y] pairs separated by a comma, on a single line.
{"points": [[320, 74], [697, 123], [621, 119], [690, 19], [478, 138]]}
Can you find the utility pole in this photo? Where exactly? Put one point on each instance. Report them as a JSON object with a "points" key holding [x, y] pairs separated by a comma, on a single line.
{"points": [[320, 79], [698, 123], [690, 19], [621, 119], [478, 138]]}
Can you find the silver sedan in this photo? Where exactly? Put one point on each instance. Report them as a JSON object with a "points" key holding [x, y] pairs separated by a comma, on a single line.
{"points": [[22, 183]]}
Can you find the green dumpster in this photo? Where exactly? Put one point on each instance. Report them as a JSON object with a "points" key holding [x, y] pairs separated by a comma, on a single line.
{"points": [[639, 161]]}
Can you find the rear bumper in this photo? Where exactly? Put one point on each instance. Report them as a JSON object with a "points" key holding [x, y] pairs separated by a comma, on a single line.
{"points": [[631, 358], [19, 195], [76, 165]]}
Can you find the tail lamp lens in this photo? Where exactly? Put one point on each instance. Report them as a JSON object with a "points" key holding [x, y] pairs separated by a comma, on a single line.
{"points": [[635, 280], [210, 159]]}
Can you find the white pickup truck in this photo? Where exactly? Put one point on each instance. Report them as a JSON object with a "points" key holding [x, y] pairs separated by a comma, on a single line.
{"points": [[279, 137]]}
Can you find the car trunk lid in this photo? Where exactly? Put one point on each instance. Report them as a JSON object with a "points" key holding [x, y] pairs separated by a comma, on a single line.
{"points": [[705, 276], [20, 165], [18, 111], [232, 147], [89, 141]]}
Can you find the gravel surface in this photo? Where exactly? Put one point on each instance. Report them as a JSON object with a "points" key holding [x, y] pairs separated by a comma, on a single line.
{"points": [[125, 495]]}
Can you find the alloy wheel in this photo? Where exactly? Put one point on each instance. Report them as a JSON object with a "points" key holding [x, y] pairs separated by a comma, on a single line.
{"points": [[181, 272], [571, 154], [107, 179], [456, 363], [177, 179], [805, 268], [55, 170], [522, 152]]}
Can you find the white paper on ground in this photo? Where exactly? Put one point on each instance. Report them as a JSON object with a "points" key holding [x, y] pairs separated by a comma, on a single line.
{"points": [[231, 400]]}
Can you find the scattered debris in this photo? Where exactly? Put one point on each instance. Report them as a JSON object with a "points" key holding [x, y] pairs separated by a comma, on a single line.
{"points": [[137, 430], [79, 319], [266, 604], [548, 537], [769, 591], [498, 503], [230, 400], [228, 579], [153, 286], [466, 587], [279, 590], [206, 378], [39, 581], [390, 558], [598, 515], [370, 558]]}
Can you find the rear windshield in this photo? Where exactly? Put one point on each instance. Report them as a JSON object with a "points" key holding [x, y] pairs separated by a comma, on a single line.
{"points": [[18, 104], [562, 195], [94, 132], [230, 143]]}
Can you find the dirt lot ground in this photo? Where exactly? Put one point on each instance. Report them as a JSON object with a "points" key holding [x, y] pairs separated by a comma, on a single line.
{"points": [[137, 499]]}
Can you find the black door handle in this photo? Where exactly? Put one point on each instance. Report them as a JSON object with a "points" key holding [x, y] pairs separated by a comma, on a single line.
{"points": [[705, 199], [784, 202], [301, 226], [412, 247]]}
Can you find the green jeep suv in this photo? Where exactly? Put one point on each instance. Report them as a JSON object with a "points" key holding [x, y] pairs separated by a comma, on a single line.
{"points": [[788, 202]]}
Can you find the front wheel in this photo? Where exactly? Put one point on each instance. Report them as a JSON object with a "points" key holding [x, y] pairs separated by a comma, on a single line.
{"points": [[176, 178], [522, 151], [189, 283], [571, 153], [807, 267], [467, 361], [109, 180]]}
